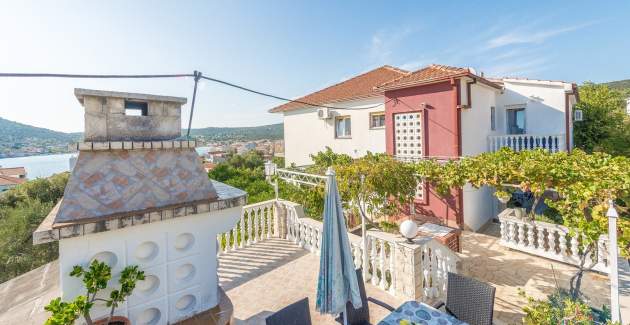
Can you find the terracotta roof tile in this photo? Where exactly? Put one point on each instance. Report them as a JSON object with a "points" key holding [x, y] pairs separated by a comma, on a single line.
{"points": [[10, 171], [361, 86], [427, 74], [8, 180]]}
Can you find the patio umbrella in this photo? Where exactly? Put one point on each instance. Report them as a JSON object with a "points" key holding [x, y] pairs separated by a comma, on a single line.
{"points": [[337, 283]]}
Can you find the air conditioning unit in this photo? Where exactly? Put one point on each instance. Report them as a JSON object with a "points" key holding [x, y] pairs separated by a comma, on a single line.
{"points": [[577, 115], [324, 113]]}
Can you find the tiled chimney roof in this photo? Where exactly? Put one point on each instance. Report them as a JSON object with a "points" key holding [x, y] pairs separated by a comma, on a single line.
{"points": [[431, 74]]}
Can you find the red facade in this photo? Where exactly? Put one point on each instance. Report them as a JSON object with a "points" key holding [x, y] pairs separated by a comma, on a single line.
{"points": [[438, 105]]}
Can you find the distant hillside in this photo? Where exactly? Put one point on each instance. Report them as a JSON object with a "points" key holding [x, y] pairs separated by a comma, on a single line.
{"points": [[17, 139], [272, 132], [621, 85]]}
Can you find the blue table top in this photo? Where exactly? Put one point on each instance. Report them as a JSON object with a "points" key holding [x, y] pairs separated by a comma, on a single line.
{"points": [[419, 313]]}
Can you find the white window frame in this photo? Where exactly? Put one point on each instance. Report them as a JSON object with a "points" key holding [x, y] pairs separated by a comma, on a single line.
{"points": [[347, 127], [375, 114], [507, 118], [493, 118]]}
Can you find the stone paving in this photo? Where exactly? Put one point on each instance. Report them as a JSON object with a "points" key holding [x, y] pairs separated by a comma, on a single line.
{"points": [[272, 274], [485, 259], [275, 273]]}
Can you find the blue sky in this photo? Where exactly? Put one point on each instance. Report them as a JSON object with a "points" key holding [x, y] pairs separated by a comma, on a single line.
{"points": [[289, 48]]}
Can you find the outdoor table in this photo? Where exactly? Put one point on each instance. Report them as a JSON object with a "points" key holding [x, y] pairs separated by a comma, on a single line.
{"points": [[419, 313]]}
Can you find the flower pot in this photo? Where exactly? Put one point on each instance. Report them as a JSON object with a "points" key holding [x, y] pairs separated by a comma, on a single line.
{"points": [[504, 199], [520, 213], [115, 320]]}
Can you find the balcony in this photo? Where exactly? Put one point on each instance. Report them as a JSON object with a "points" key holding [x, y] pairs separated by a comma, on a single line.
{"points": [[519, 142], [271, 259]]}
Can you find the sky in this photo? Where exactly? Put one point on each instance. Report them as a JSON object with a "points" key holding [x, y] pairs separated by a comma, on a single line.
{"points": [[288, 48]]}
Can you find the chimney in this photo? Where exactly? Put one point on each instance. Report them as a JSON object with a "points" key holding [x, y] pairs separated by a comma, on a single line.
{"points": [[120, 116], [139, 195]]}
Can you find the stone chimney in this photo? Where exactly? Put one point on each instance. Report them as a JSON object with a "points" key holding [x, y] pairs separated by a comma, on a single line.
{"points": [[138, 195], [119, 116]]}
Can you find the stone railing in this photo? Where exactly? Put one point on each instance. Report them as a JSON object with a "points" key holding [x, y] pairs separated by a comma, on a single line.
{"points": [[407, 270], [550, 241], [519, 142]]}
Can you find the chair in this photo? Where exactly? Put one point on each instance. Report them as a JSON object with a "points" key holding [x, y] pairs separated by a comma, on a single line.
{"points": [[361, 316], [297, 313], [468, 300]]}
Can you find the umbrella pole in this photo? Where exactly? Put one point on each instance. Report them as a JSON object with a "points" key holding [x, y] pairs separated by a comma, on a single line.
{"points": [[345, 316]]}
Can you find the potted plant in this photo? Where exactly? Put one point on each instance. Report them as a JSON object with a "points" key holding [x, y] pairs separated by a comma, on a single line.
{"points": [[95, 279]]}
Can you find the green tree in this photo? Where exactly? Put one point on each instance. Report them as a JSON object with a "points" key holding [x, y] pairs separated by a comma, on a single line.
{"points": [[605, 126]]}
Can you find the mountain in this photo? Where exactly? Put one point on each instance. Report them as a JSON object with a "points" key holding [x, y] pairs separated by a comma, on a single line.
{"points": [[271, 132], [621, 85], [17, 139]]}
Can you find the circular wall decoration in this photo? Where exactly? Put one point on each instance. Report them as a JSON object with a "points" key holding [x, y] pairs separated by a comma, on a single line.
{"points": [[149, 316], [185, 272], [146, 251], [149, 285], [106, 257], [186, 302], [184, 242]]}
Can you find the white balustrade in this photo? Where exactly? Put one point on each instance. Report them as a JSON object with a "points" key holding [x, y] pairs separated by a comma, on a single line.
{"points": [[529, 237], [519, 142]]}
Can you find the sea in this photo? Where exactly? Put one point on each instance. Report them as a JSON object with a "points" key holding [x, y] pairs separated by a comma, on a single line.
{"points": [[47, 165]]}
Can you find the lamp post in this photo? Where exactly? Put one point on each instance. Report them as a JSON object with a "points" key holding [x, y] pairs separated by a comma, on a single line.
{"points": [[364, 241], [614, 276]]}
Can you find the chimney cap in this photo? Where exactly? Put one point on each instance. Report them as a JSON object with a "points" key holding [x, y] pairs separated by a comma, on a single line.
{"points": [[80, 93]]}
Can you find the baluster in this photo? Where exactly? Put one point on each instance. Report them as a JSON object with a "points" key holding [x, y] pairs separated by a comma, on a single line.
{"points": [[269, 219], [242, 242], [257, 225], [381, 260], [551, 241], [511, 232], [504, 234], [373, 260], [521, 234], [392, 266], [601, 252], [541, 239], [426, 267], [530, 236], [562, 238], [434, 273], [575, 248], [250, 227]]}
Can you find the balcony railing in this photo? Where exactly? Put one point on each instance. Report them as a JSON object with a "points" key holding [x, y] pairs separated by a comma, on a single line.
{"points": [[409, 271], [550, 241], [519, 142]]}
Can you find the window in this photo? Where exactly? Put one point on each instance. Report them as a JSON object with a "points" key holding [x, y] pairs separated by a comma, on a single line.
{"points": [[135, 108], [377, 120], [342, 127], [493, 119], [516, 121]]}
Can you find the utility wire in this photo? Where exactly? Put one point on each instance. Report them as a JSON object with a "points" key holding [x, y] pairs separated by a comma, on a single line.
{"points": [[195, 75]]}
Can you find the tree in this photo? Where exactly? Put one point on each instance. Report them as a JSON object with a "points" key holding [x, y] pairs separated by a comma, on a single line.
{"points": [[370, 186], [584, 183], [605, 126]]}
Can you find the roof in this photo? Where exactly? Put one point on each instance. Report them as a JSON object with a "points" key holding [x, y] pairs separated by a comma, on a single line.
{"points": [[81, 92], [114, 183], [8, 180], [359, 87], [431, 74], [12, 171]]}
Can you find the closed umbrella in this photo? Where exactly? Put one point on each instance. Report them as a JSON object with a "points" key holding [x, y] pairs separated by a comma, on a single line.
{"points": [[337, 283]]}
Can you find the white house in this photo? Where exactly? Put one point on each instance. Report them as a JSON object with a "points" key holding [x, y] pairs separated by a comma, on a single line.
{"points": [[435, 112]]}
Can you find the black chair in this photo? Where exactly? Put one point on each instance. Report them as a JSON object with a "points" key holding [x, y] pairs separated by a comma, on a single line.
{"points": [[297, 313], [361, 316], [469, 300]]}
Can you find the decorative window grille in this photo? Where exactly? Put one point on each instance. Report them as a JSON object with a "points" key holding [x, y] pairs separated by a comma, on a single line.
{"points": [[408, 141]]}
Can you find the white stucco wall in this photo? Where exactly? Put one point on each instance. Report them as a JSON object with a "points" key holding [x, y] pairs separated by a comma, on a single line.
{"points": [[177, 255], [476, 127], [544, 104], [305, 133]]}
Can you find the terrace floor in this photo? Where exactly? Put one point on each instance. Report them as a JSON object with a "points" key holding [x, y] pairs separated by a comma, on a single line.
{"points": [[272, 274]]}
